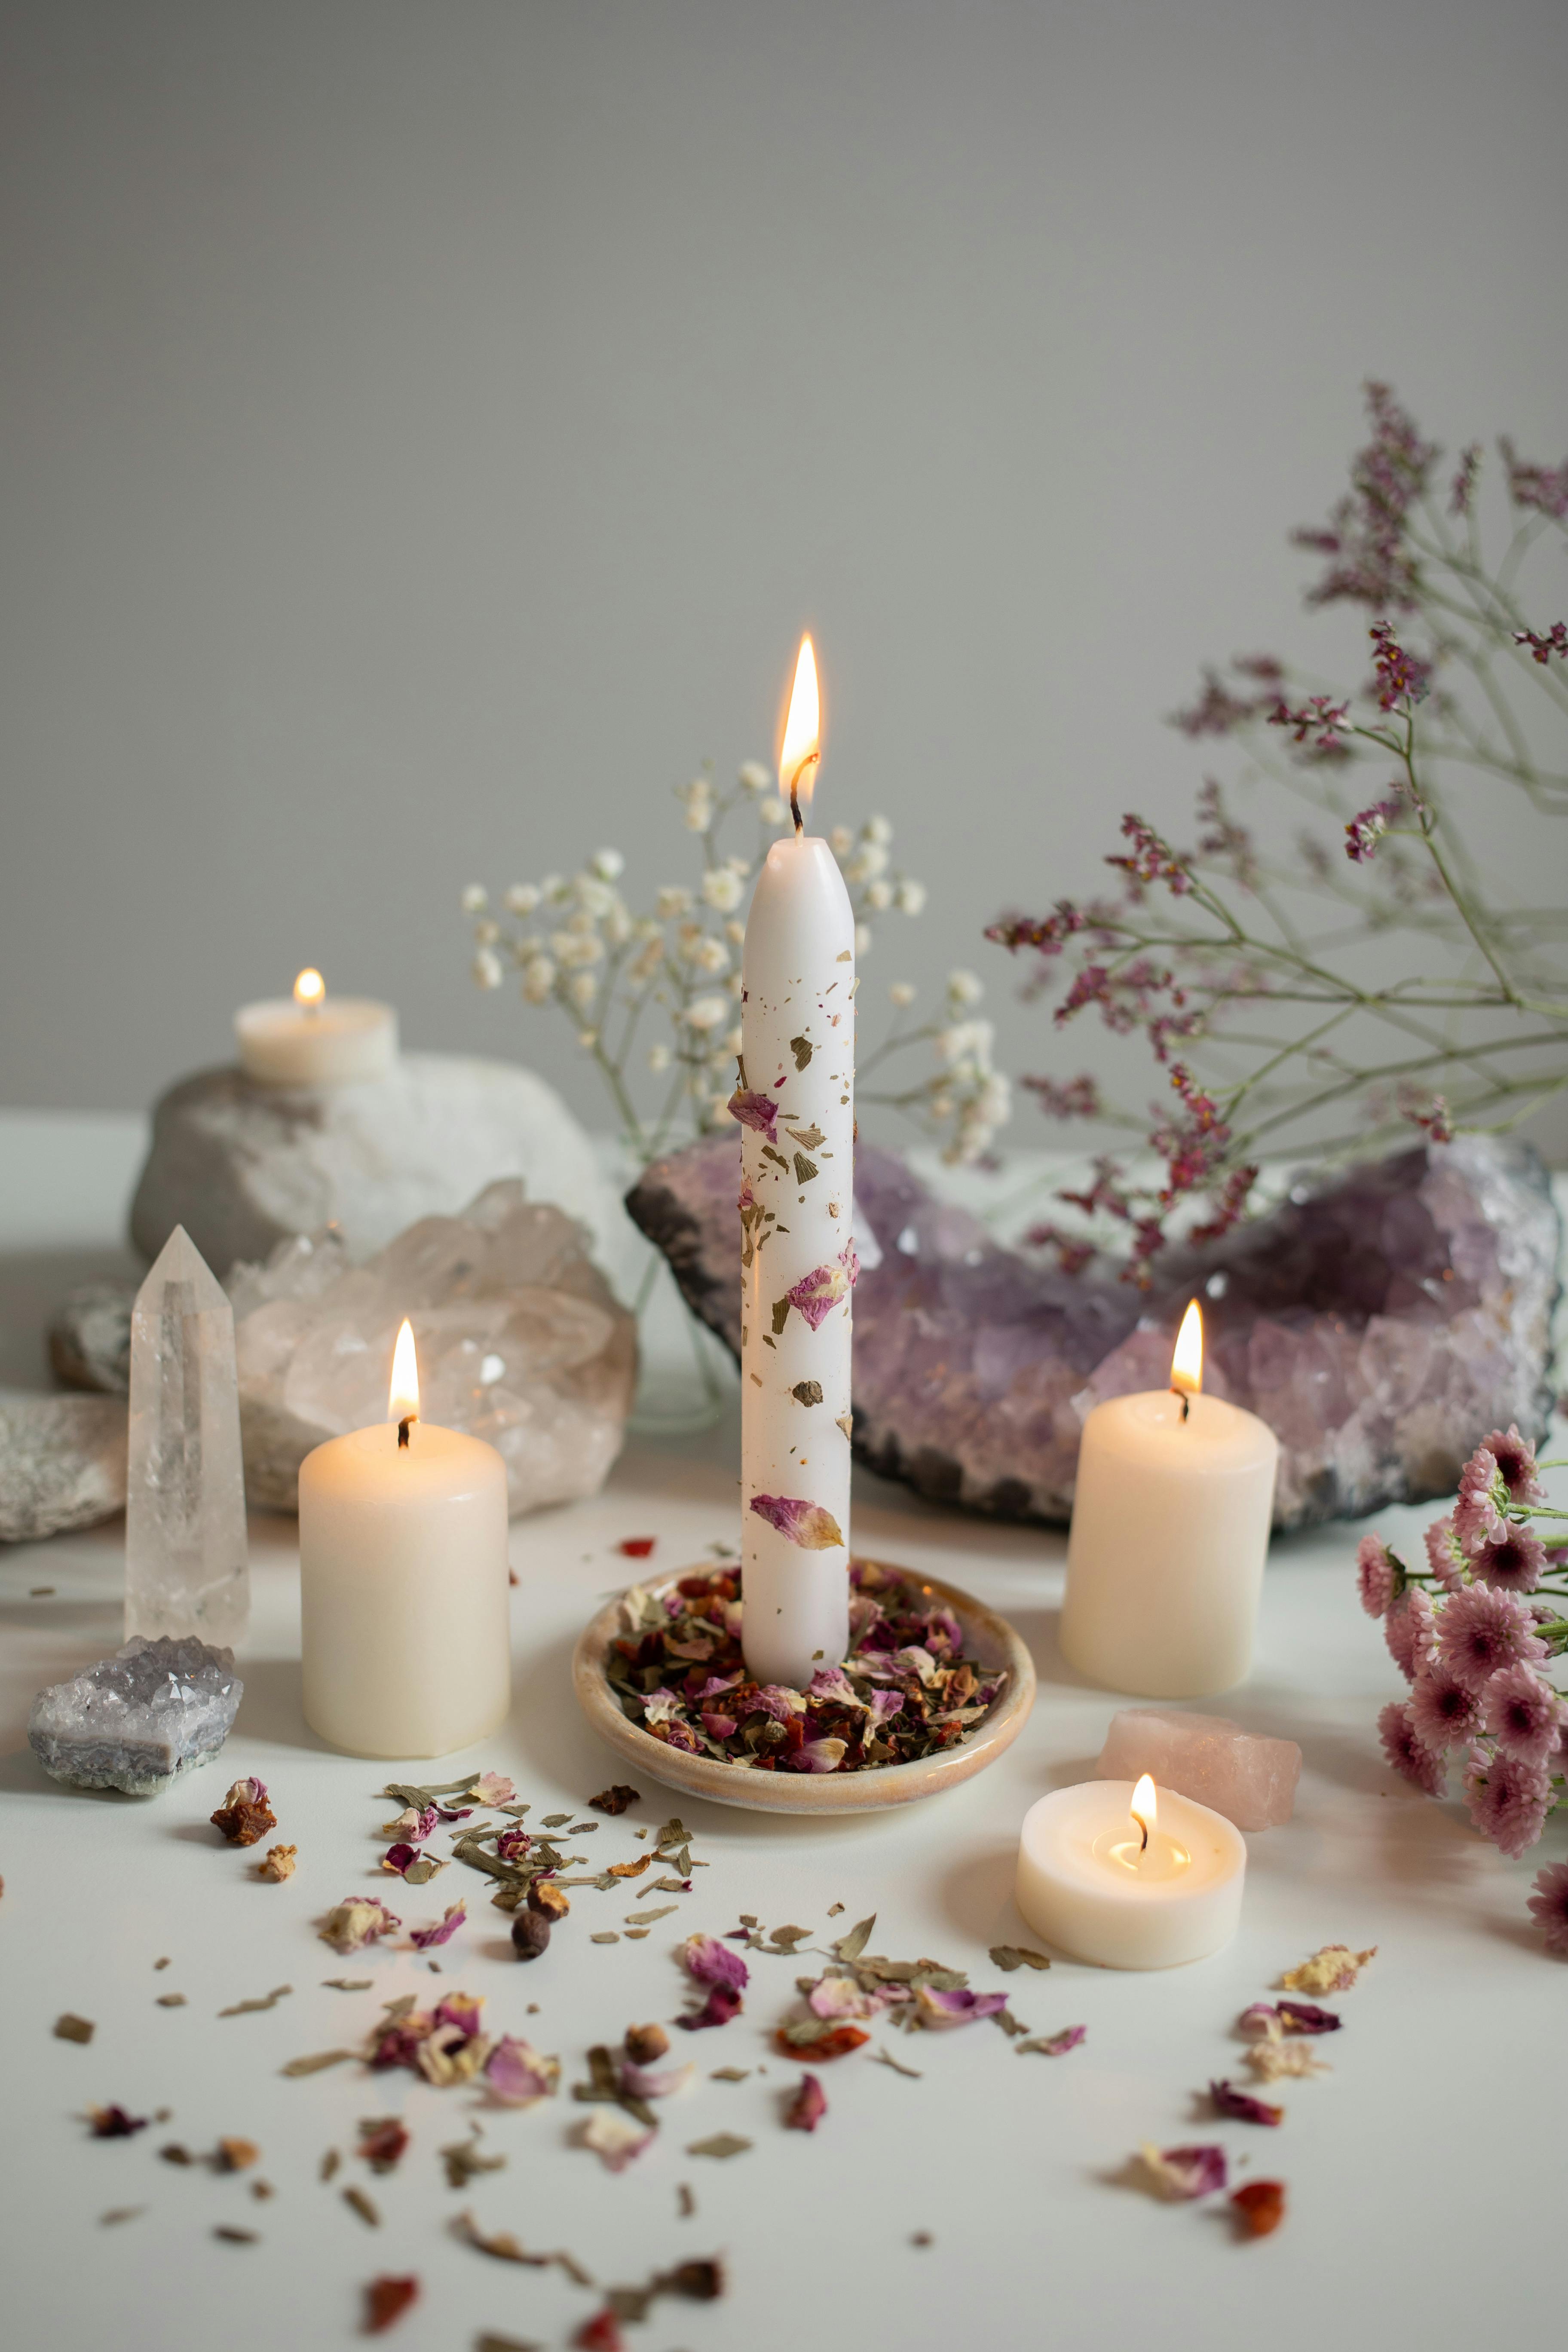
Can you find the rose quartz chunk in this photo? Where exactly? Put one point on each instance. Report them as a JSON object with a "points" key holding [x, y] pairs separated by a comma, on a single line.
{"points": [[1251, 1780]]}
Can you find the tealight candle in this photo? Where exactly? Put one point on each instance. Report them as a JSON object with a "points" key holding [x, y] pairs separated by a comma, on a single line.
{"points": [[1125, 1876], [1170, 1531], [314, 1040], [403, 1583]]}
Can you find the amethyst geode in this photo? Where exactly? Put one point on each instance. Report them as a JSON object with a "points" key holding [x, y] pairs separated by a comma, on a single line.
{"points": [[1381, 1320]]}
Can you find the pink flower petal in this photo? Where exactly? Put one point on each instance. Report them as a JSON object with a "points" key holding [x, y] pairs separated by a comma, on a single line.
{"points": [[722, 2004], [808, 2106], [759, 1112], [1185, 2172], [958, 2007], [1242, 2108], [516, 2075], [425, 1940], [816, 1294], [713, 1963], [493, 1789], [809, 1525]]}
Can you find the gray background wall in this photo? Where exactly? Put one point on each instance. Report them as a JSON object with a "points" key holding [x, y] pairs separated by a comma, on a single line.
{"points": [[427, 428]]}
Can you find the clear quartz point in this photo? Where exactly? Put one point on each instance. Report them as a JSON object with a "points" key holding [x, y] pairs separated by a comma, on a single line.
{"points": [[187, 1565]]}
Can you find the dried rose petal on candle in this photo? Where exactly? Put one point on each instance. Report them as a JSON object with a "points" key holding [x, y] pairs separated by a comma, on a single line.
{"points": [[1242, 2108], [425, 1940], [805, 1524], [516, 2076], [816, 1294], [808, 2106], [1180, 2173], [758, 1111]]}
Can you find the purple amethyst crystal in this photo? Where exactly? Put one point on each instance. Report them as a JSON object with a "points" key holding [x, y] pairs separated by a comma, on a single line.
{"points": [[1381, 1320]]}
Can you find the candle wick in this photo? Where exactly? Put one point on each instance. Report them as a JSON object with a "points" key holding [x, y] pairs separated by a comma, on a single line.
{"points": [[404, 1426], [1186, 1401], [1142, 1837], [810, 760]]}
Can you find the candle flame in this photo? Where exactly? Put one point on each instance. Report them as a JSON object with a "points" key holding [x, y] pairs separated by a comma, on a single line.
{"points": [[1145, 1808], [1187, 1363], [402, 1403], [802, 746], [309, 988]]}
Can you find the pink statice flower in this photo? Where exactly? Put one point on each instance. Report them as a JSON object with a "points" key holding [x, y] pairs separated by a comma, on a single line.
{"points": [[1446, 1555], [1378, 1575], [1550, 1905], [1524, 1715], [1410, 1629], [1482, 1630], [1513, 1562], [1515, 1459], [1443, 1712], [1407, 1755], [1508, 1799], [425, 1940], [1477, 1519], [810, 1524]]}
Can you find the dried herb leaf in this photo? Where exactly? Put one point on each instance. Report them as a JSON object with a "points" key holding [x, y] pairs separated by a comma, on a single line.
{"points": [[1008, 1957], [780, 1315], [605, 1936], [808, 1392], [885, 2058], [74, 2029], [365, 2206], [329, 2163], [850, 1946], [171, 2000], [686, 2204], [490, 2342], [504, 2248], [801, 1048], [348, 1984], [645, 1919], [804, 1169], [313, 2065], [719, 2145], [120, 2213], [463, 2159], [233, 2236], [810, 1137], [730, 2074], [268, 2000]]}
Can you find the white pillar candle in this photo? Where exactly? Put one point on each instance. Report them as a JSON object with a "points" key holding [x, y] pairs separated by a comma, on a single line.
{"points": [[404, 1622], [1170, 1531], [1089, 1884], [314, 1040], [796, 1105]]}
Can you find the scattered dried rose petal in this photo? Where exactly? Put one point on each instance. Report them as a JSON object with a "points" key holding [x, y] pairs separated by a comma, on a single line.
{"points": [[492, 1789], [757, 1111], [385, 2301], [279, 1863], [816, 1294], [1241, 2107], [425, 1940], [1260, 2022], [1271, 2061], [616, 1799], [938, 2009], [614, 2138], [637, 1547], [711, 1962], [1260, 2206], [245, 1815], [518, 2076], [808, 2106], [837, 2043], [383, 2141], [722, 2004], [811, 1526], [357, 1920], [1180, 2173], [1306, 2017], [113, 2122], [602, 2333], [1054, 2045], [1334, 1967]]}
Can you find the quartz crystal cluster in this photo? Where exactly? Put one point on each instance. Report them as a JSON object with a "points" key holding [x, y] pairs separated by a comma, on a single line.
{"points": [[521, 1342], [139, 1719], [1381, 1320], [1250, 1778]]}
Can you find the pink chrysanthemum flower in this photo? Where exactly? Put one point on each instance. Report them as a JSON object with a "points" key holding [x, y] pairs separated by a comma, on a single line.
{"points": [[1483, 1629], [1524, 1715], [1406, 1752], [1446, 1555], [1410, 1630], [1477, 1517], [1508, 1801], [1442, 1712], [1513, 1561], [1377, 1576], [1515, 1459], [1550, 1905]]}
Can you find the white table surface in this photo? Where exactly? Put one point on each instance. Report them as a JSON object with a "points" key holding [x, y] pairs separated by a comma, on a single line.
{"points": [[1425, 2172]]}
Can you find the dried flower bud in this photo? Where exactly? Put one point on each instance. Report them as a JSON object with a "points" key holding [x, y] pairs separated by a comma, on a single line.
{"points": [[644, 2044], [530, 1934], [245, 1815], [235, 2155], [278, 1864], [548, 1901]]}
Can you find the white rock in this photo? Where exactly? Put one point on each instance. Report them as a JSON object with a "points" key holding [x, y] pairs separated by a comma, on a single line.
{"points": [[62, 1464], [242, 1166]]}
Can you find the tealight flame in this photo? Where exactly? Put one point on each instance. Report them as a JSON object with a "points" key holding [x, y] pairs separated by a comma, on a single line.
{"points": [[802, 746], [1145, 1811], [402, 1403], [1187, 1363], [309, 988]]}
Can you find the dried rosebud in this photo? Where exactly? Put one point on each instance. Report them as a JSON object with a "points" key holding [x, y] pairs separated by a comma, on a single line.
{"points": [[700, 2282], [808, 2106], [383, 2141], [530, 1934], [644, 2043], [548, 1901], [245, 1815], [1241, 2107], [1306, 2017], [113, 2122], [278, 1864], [235, 2155], [386, 2300], [1260, 2206]]}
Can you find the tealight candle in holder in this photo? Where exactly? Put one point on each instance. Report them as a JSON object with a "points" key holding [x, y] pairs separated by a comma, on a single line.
{"points": [[1127, 1877]]}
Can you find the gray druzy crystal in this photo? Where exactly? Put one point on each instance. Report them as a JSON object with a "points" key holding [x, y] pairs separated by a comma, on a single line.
{"points": [[1382, 1320], [139, 1719]]}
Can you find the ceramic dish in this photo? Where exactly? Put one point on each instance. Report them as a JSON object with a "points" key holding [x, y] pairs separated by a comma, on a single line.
{"points": [[987, 1638]]}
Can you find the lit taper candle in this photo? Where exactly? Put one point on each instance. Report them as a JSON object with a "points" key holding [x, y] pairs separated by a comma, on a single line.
{"points": [[795, 1102]]}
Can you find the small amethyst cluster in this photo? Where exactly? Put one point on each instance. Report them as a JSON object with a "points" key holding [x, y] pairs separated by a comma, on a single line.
{"points": [[1475, 1633], [905, 1691]]}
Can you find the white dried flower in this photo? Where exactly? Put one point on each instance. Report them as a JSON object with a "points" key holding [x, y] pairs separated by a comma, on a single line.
{"points": [[475, 898], [487, 933], [964, 988], [755, 777], [587, 1039], [870, 860], [966, 1045], [554, 888], [581, 989], [722, 887], [659, 1057], [488, 971], [736, 985], [879, 896], [862, 939], [697, 798], [718, 1110], [617, 925], [538, 979], [705, 1012], [673, 900], [594, 899], [647, 960], [709, 955], [911, 897], [902, 992], [773, 811], [732, 1041], [877, 829], [522, 899], [577, 949], [841, 841], [735, 933], [606, 864]]}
